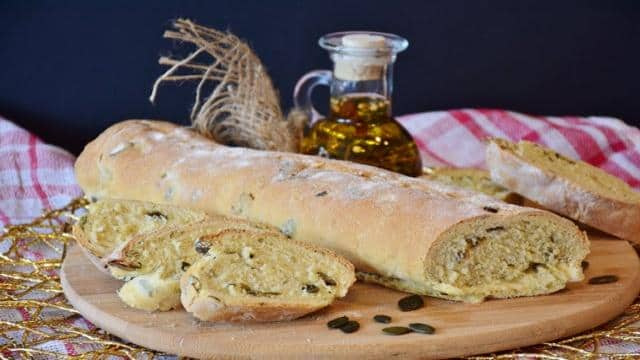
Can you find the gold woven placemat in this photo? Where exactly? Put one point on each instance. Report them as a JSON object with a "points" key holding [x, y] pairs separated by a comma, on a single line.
{"points": [[37, 322]]}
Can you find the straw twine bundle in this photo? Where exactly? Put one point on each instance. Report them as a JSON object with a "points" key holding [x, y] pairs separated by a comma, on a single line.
{"points": [[243, 108]]}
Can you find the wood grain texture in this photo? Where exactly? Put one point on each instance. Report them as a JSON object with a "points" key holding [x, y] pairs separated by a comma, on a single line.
{"points": [[462, 329]]}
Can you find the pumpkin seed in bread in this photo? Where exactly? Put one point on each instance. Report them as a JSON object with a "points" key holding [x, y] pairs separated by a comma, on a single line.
{"points": [[472, 179], [259, 276], [569, 187], [152, 264], [110, 222]]}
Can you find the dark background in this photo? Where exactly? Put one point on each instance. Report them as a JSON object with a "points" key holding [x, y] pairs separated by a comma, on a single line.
{"points": [[68, 69]]}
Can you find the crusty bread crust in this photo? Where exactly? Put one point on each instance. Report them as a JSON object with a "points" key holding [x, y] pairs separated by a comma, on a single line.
{"points": [[208, 309], [381, 221], [562, 195], [250, 309]]}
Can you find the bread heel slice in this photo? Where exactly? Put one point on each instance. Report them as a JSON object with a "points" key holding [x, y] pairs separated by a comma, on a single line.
{"points": [[254, 276], [569, 187]]}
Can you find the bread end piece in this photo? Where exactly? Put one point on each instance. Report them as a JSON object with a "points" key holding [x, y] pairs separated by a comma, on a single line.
{"points": [[527, 254], [568, 187]]}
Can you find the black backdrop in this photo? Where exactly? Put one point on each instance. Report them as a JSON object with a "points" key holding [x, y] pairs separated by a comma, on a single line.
{"points": [[68, 69]]}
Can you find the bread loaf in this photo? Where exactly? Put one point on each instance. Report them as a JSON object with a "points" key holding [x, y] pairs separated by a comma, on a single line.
{"points": [[251, 275], [109, 223], [569, 187], [152, 263], [413, 234]]}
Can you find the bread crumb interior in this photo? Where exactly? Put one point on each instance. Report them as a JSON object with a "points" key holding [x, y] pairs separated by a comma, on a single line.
{"points": [[263, 266]]}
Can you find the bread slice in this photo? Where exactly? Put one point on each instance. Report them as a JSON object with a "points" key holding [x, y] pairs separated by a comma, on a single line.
{"points": [[110, 222], [472, 179], [257, 276], [569, 187], [152, 264]]}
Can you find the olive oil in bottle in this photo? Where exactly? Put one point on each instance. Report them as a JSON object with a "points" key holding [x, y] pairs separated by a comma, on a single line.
{"points": [[359, 126]]}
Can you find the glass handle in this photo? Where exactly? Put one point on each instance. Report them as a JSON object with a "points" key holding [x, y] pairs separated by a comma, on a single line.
{"points": [[304, 89]]}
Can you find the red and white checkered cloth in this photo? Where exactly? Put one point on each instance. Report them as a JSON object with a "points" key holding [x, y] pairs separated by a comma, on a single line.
{"points": [[455, 138], [35, 176]]}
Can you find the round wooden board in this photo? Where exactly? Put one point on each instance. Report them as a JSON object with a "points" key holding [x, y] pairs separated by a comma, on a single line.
{"points": [[462, 329]]}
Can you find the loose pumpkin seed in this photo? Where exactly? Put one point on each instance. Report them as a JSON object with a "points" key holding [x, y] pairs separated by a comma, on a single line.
{"points": [[350, 326], [337, 322], [384, 319], [604, 279], [422, 328], [585, 265], [396, 330], [410, 303]]}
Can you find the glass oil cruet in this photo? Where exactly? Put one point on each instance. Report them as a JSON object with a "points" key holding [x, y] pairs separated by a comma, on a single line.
{"points": [[359, 127]]}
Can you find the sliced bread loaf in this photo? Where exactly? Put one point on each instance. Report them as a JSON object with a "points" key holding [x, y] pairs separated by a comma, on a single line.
{"points": [[110, 222], [258, 276], [152, 264], [472, 179], [420, 235], [569, 187]]}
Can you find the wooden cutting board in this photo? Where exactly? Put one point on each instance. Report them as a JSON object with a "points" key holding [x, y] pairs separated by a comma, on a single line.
{"points": [[461, 329]]}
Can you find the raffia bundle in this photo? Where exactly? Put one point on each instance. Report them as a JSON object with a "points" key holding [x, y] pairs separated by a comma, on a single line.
{"points": [[243, 108]]}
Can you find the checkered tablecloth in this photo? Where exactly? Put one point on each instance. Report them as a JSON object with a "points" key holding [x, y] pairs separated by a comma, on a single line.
{"points": [[35, 176]]}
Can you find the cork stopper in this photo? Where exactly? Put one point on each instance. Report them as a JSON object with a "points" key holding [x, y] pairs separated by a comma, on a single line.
{"points": [[359, 59], [364, 41]]}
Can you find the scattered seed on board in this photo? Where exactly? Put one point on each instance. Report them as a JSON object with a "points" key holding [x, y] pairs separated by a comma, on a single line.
{"points": [[604, 279], [396, 330], [422, 328], [350, 326], [412, 302], [337, 322], [585, 265], [384, 319]]}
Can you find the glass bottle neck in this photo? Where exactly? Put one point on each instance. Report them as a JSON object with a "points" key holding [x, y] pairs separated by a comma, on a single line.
{"points": [[377, 88]]}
